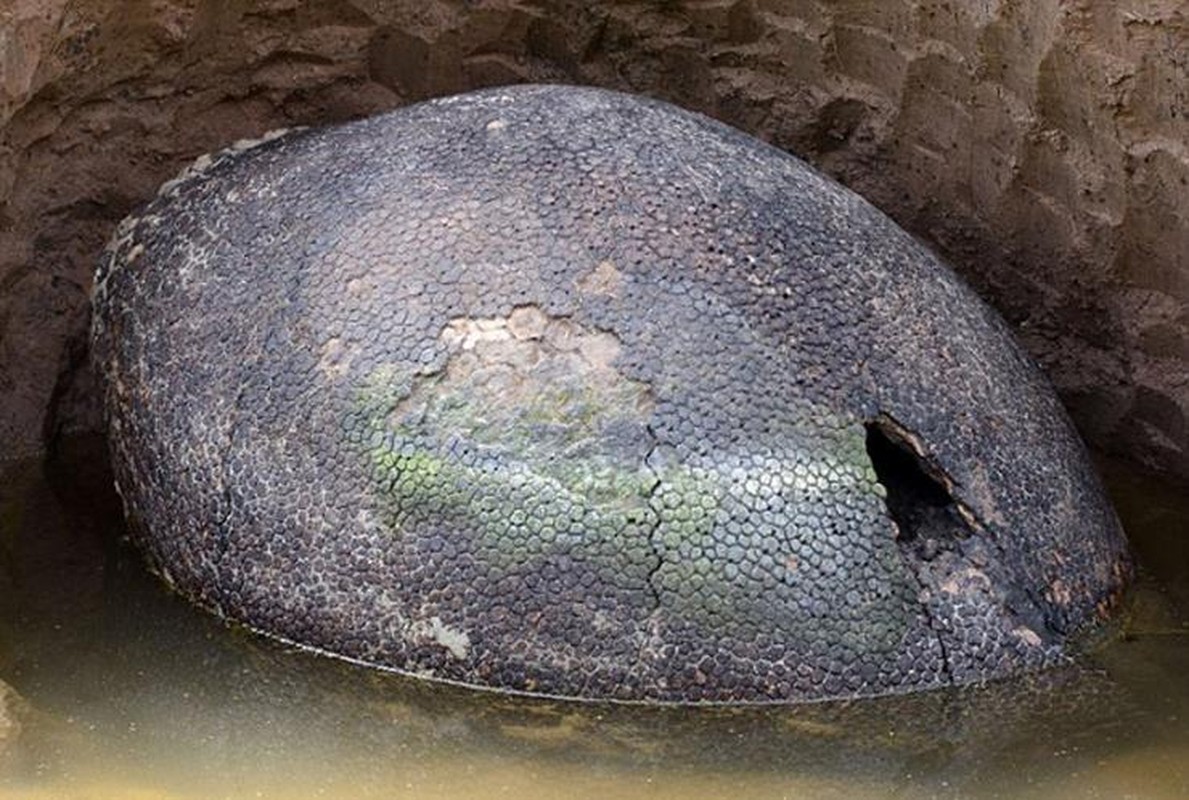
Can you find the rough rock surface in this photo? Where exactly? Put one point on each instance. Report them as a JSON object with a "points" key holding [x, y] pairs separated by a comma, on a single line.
{"points": [[1041, 146], [559, 390]]}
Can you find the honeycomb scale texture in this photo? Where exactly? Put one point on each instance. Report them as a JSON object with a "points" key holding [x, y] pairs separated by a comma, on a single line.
{"points": [[563, 391]]}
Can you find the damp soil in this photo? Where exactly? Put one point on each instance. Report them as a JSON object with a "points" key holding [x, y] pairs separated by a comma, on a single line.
{"points": [[112, 687]]}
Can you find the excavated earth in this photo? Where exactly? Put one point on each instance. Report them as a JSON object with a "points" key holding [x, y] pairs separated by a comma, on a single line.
{"points": [[1041, 147]]}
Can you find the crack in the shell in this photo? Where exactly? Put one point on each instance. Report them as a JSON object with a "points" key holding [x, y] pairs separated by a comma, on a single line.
{"points": [[653, 540], [654, 530], [972, 526], [933, 623], [980, 527], [908, 444], [987, 533]]}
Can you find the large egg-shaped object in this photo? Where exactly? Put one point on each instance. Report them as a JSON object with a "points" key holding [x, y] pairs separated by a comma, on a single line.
{"points": [[563, 391]]}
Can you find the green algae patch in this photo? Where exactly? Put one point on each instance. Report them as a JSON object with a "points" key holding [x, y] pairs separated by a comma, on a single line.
{"points": [[512, 513], [526, 443]]}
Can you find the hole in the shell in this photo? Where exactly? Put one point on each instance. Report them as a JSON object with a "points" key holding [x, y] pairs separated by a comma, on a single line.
{"points": [[917, 499]]}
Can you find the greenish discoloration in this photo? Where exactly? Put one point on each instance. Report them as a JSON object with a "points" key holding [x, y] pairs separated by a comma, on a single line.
{"points": [[421, 486], [699, 506], [616, 519], [542, 420], [499, 390], [512, 420], [521, 415]]}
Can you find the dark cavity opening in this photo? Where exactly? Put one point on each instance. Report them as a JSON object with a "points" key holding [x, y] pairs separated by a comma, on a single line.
{"points": [[917, 500]]}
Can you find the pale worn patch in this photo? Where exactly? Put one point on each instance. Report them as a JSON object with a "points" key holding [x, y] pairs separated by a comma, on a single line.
{"points": [[1058, 593], [1027, 636], [527, 370], [966, 581], [434, 631], [335, 357], [527, 322], [604, 279], [205, 161]]}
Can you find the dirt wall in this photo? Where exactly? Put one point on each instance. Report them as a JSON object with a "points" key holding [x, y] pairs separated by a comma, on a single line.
{"points": [[1041, 146]]}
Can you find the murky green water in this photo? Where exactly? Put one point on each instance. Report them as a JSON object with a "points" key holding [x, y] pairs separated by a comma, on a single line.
{"points": [[126, 692]]}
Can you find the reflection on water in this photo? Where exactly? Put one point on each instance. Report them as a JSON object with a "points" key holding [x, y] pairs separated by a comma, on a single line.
{"points": [[123, 691]]}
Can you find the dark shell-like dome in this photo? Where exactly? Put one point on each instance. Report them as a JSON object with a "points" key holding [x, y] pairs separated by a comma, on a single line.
{"points": [[557, 390]]}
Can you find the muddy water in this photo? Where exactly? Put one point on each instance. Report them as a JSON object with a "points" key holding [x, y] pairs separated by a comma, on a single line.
{"points": [[120, 690]]}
